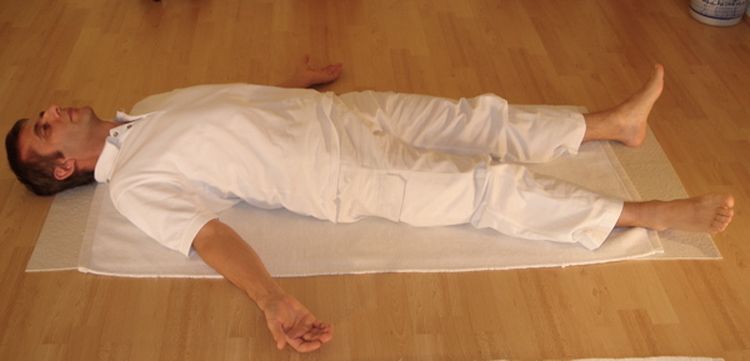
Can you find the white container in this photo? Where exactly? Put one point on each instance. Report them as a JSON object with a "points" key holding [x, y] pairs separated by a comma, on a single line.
{"points": [[718, 12]]}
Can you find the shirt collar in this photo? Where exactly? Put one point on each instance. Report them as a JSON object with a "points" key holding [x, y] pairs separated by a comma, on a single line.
{"points": [[117, 135]]}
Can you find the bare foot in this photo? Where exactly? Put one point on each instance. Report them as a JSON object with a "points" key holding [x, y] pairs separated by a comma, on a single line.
{"points": [[708, 213], [627, 122]]}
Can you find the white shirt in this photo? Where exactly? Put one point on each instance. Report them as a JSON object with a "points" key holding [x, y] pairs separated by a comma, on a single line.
{"points": [[199, 150]]}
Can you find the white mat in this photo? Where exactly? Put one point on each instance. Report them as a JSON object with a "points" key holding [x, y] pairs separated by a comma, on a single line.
{"points": [[292, 245]]}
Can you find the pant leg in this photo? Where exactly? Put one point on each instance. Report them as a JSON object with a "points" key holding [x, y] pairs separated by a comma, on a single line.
{"points": [[383, 176], [485, 124], [519, 203]]}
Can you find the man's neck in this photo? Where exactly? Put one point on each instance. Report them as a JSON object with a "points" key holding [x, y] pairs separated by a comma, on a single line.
{"points": [[87, 162]]}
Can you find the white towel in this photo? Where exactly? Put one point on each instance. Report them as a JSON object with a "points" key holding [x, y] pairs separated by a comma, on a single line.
{"points": [[293, 245]]}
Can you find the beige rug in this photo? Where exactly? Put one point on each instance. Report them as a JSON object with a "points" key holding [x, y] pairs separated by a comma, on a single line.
{"points": [[292, 245]]}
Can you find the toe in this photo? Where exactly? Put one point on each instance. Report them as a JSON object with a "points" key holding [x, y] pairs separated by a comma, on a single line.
{"points": [[722, 218], [728, 201], [720, 223]]}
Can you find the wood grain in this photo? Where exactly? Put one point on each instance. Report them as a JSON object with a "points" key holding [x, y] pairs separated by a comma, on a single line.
{"points": [[111, 53]]}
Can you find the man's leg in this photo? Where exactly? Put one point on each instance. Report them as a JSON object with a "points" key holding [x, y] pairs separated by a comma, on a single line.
{"points": [[383, 176], [709, 213], [482, 125], [486, 124], [505, 197], [627, 122], [387, 177]]}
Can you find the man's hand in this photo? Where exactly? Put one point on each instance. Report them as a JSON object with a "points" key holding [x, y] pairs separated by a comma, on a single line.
{"points": [[306, 75], [291, 322]]}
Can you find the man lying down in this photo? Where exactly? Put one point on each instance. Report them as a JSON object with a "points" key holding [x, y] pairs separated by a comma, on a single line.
{"points": [[416, 159]]}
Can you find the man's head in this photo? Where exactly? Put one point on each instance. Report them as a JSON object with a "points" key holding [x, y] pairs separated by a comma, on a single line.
{"points": [[56, 150]]}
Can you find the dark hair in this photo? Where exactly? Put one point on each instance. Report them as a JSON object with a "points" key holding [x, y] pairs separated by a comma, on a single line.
{"points": [[37, 172]]}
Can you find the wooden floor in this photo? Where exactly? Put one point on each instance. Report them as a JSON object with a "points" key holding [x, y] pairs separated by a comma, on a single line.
{"points": [[110, 53]]}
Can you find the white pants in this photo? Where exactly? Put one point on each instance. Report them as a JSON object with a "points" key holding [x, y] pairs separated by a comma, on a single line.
{"points": [[430, 161]]}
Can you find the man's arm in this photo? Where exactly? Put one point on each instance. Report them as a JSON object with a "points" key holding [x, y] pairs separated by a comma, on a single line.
{"points": [[306, 75], [287, 319]]}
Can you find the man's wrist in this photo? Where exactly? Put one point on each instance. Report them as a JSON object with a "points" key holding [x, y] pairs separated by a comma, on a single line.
{"points": [[264, 298]]}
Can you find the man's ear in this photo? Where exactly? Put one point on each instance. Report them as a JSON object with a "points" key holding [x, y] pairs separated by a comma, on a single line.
{"points": [[65, 169]]}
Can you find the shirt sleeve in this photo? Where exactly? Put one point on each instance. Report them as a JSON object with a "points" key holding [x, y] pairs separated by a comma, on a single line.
{"points": [[167, 212]]}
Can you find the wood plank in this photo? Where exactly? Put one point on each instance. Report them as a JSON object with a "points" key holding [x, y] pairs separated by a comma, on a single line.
{"points": [[593, 53]]}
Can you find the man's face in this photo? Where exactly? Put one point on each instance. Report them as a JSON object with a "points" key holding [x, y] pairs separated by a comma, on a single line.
{"points": [[66, 130]]}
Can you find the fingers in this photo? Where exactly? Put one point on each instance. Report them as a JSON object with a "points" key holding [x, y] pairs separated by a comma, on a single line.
{"points": [[311, 341], [291, 323], [328, 68], [325, 333], [304, 346], [301, 326], [333, 67], [333, 70], [309, 337], [320, 332]]}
